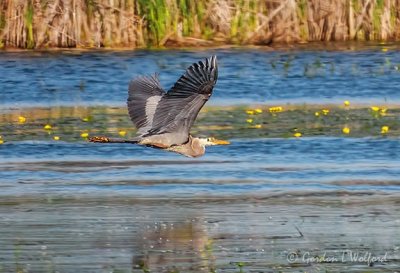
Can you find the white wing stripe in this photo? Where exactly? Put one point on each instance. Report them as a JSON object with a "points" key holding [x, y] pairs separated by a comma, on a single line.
{"points": [[151, 106]]}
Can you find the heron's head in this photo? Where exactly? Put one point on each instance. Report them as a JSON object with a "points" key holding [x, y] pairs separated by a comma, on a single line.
{"points": [[195, 147], [210, 141]]}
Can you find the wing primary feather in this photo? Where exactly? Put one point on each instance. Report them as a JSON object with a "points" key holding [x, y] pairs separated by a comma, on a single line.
{"points": [[179, 107], [144, 94]]}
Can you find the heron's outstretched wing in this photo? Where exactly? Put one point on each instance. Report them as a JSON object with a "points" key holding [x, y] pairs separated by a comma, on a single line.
{"points": [[178, 109], [144, 96]]}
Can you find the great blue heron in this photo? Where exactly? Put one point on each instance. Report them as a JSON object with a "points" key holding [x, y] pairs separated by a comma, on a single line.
{"points": [[164, 119]]}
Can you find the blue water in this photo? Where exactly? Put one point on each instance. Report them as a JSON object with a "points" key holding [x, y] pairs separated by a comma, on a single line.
{"points": [[88, 207], [246, 166], [245, 75]]}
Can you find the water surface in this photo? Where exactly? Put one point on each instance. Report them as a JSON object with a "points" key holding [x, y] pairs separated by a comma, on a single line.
{"points": [[245, 75], [258, 205]]}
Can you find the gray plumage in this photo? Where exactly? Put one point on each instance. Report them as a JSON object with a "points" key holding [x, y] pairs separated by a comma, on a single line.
{"points": [[164, 119]]}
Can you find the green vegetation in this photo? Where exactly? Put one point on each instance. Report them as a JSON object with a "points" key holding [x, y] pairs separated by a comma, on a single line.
{"points": [[77, 124], [30, 43], [168, 23]]}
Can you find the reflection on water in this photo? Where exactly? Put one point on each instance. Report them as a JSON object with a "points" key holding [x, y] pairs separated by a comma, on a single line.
{"points": [[125, 234], [174, 246], [244, 206]]}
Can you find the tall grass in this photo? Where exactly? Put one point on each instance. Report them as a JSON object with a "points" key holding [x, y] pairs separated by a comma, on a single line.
{"points": [[158, 23], [30, 43]]}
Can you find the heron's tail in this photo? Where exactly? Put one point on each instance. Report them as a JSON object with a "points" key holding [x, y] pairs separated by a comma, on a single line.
{"points": [[101, 139]]}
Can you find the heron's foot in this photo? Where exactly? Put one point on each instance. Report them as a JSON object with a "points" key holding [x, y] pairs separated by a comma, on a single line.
{"points": [[100, 139]]}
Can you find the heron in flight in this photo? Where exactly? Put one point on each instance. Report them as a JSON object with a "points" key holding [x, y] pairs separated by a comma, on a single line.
{"points": [[164, 119]]}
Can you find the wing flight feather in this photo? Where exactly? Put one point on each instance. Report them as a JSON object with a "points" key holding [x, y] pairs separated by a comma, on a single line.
{"points": [[178, 109], [144, 94]]}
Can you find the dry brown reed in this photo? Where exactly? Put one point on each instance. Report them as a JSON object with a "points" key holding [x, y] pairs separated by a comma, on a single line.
{"points": [[142, 23]]}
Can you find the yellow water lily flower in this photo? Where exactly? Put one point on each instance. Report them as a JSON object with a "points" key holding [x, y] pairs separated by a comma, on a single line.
{"points": [[84, 135], [346, 103], [297, 134], [325, 111], [375, 108], [384, 129], [258, 111], [346, 130], [383, 111], [257, 126], [85, 119], [1, 141], [249, 120], [47, 127], [384, 49], [316, 114], [21, 119], [122, 133], [275, 109], [250, 112], [56, 138]]}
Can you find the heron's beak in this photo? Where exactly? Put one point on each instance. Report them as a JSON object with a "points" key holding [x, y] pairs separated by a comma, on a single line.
{"points": [[220, 142], [213, 141]]}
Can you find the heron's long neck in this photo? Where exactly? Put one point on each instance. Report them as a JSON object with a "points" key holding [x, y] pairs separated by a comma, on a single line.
{"points": [[192, 148]]}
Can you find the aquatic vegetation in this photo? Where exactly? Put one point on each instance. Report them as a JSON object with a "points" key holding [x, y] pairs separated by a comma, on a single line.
{"points": [[29, 12], [159, 23], [254, 111], [21, 119], [257, 126], [325, 112], [378, 112], [383, 111], [217, 121], [47, 127], [375, 108], [346, 130], [275, 109], [384, 129], [250, 112], [240, 265], [297, 134]]}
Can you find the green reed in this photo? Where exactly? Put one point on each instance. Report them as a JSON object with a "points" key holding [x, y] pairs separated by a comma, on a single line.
{"points": [[30, 42], [141, 23]]}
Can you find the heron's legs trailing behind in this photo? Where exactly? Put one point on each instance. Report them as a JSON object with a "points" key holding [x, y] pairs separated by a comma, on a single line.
{"points": [[102, 139]]}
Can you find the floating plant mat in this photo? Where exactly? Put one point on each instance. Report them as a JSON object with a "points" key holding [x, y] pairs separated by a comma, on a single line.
{"points": [[246, 121]]}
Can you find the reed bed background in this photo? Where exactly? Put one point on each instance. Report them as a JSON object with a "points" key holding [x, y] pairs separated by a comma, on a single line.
{"points": [[168, 23]]}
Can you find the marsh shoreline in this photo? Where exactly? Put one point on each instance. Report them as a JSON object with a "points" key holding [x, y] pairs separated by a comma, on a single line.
{"points": [[37, 24]]}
